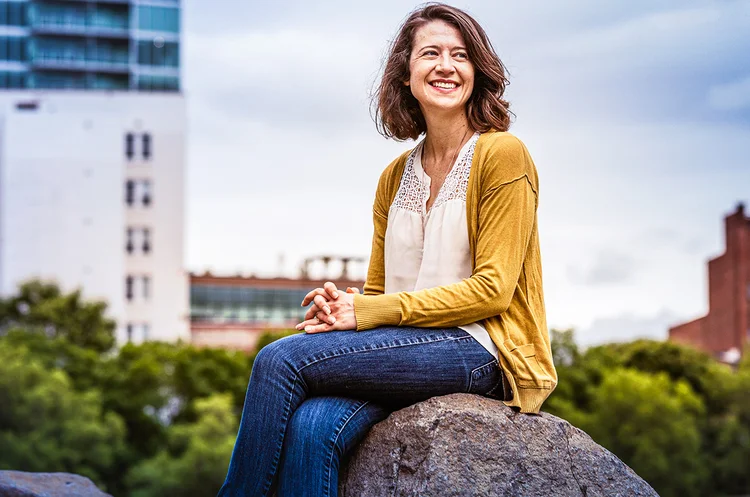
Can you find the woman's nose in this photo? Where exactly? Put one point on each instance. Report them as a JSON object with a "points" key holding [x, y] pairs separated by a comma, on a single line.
{"points": [[445, 64]]}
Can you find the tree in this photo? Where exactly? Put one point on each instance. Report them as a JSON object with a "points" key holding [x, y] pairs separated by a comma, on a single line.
{"points": [[271, 336], [653, 425], [196, 457], [46, 425], [43, 307]]}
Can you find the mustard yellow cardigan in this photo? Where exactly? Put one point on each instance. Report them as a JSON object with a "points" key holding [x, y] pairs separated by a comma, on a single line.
{"points": [[504, 291]]}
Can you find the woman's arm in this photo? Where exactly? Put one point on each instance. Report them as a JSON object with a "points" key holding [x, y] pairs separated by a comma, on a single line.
{"points": [[375, 282], [507, 215]]}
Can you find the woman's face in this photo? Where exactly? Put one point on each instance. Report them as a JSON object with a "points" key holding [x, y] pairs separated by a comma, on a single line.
{"points": [[442, 76]]}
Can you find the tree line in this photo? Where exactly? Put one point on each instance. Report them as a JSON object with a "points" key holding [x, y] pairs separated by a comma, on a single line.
{"points": [[160, 419]]}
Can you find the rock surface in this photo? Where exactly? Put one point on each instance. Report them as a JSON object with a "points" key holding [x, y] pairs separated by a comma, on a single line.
{"points": [[468, 445], [22, 484]]}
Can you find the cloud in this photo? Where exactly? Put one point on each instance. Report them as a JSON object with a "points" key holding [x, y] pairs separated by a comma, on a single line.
{"points": [[288, 78], [627, 326], [656, 66], [734, 95], [608, 267], [633, 111]]}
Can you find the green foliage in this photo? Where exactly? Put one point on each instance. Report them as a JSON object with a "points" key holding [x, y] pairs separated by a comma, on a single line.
{"points": [[196, 457], [658, 415], [149, 390], [160, 419], [271, 336], [83, 366], [42, 306], [45, 425], [652, 424]]}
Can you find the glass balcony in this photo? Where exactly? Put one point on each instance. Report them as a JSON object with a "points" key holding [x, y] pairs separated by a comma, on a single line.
{"points": [[76, 21], [116, 63], [117, 2]]}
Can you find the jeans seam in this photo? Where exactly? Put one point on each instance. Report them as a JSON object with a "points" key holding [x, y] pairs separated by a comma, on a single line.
{"points": [[471, 375], [277, 456], [336, 439], [469, 337]]}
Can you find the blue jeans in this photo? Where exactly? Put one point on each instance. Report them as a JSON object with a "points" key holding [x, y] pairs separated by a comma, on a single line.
{"points": [[313, 397]]}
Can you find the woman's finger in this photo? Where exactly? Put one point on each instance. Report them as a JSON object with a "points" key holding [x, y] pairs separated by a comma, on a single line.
{"points": [[312, 311], [322, 304], [307, 322], [323, 327], [330, 287], [309, 297], [352, 289], [325, 318]]}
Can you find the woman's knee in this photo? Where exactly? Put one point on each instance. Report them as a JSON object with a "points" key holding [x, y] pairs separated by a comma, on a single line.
{"points": [[318, 421], [277, 354], [332, 423]]}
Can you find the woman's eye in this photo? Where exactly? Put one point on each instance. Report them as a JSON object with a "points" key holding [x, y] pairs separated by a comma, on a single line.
{"points": [[430, 52], [462, 55]]}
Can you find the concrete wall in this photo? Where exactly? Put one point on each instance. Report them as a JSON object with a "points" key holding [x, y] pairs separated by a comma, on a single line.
{"points": [[63, 215]]}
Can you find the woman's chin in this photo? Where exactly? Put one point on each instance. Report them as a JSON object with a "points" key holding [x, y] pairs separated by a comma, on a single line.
{"points": [[444, 108]]}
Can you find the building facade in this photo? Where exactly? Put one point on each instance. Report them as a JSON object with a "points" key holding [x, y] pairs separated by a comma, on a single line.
{"points": [[233, 311], [725, 330], [90, 44], [92, 127]]}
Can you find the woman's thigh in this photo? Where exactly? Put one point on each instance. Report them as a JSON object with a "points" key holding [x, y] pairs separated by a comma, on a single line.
{"points": [[394, 365]]}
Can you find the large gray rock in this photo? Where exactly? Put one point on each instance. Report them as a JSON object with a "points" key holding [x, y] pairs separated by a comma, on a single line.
{"points": [[464, 444], [22, 484]]}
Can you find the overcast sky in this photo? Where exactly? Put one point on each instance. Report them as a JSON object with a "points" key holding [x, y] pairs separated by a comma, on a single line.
{"points": [[637, 115]]}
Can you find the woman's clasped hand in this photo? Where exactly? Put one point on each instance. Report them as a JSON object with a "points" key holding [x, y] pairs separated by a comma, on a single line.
{"points": [[331, 310]]}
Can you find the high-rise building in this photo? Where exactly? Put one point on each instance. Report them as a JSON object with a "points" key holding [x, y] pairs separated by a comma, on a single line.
{"points": [[92, 125], [725, 330], [90, 44]]}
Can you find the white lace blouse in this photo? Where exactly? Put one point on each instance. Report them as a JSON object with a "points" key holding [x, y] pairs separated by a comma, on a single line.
{"points": [[427, 249]]}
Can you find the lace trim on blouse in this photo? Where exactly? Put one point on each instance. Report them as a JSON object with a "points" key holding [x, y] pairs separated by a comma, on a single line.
{"points": [[413, 193]]}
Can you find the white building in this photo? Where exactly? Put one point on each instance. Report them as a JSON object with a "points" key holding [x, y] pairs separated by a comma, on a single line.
{"points": [[92, 197]]}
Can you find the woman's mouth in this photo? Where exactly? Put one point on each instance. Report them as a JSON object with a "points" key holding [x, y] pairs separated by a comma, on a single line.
{"points": [[444, 85]]}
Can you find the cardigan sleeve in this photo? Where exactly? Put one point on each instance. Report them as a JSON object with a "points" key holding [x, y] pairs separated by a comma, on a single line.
{"points": [[507, 218], [375, 282]]}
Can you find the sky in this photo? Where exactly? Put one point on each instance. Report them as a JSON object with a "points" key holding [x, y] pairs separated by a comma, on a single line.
{"points": [[637, 116]]}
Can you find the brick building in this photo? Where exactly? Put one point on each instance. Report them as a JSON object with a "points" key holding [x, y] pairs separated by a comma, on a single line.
{"points": [[725, 330], [233, 311]]}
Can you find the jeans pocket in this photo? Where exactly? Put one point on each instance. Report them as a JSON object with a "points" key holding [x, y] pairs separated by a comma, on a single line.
{"points": [[485, 378]]}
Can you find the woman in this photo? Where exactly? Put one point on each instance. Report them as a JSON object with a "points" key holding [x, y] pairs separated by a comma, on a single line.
{"points": [[453, 300]]}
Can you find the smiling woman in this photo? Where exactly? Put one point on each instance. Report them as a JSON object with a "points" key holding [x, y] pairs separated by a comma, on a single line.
{"points": [[453, 300]]}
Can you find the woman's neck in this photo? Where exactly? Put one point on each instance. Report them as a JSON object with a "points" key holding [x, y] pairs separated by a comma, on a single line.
{"points": [[445, 136]]}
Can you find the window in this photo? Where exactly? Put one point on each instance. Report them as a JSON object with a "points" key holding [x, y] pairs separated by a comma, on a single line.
{"points": [[146, 146], [129, 288], [146, 192], [13, 13], [11, 79], [159, 19], [146, 282], [130, 192], [158, 83], [129, 332], [129, 144], [146, 331], [130, 244], [13, 48], [158, 53], [146, 240]]}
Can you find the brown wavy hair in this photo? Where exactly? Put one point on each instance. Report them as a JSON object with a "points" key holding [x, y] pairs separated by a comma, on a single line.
{"points": [[396, 112]]}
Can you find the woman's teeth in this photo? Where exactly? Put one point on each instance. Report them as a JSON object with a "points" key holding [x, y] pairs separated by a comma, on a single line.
{"points": [[440, 84]]}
